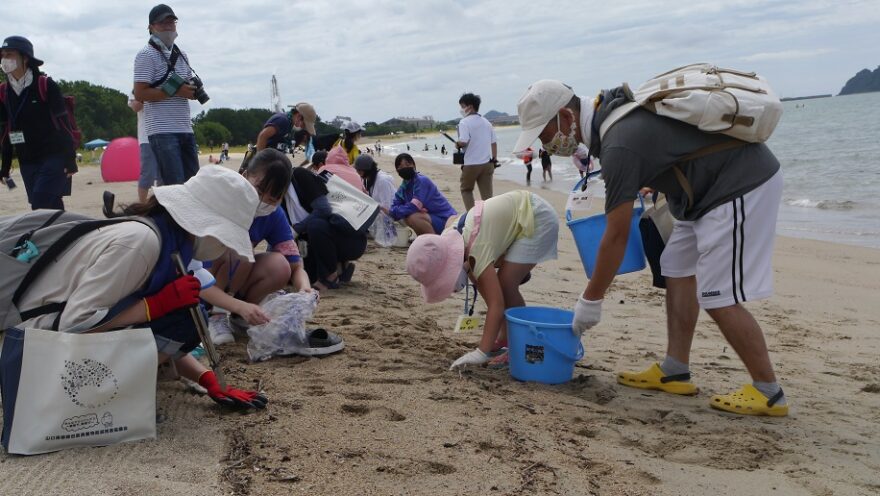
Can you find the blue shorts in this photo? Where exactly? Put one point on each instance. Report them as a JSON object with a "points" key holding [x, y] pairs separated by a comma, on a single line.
{"points": [[439, 223]]}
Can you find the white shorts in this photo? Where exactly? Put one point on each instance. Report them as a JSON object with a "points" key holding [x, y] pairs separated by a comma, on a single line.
{"points": [[541, 247], [730, 249]]}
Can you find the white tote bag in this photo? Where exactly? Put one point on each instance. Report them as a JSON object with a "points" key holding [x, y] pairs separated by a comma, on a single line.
{"points": [[63, 390], [356, 207]]}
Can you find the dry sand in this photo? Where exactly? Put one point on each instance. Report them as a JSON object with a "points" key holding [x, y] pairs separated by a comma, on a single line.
{"points": [[386, 417]]}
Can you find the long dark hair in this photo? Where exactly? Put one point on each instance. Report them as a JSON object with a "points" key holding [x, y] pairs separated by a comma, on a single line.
{"points": [[275, 169], [348, 139]]}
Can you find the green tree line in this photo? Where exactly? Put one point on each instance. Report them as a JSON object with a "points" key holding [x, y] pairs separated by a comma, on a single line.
{"points": [[103, 113]]}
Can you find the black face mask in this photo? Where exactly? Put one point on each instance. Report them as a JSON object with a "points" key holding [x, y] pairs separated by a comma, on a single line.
{"points": [[406, 173]]}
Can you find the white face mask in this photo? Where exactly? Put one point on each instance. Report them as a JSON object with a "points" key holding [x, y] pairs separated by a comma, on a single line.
{"points": [[464, 112], [9, 65], [207, 248], [265, 209], [167, 37]]}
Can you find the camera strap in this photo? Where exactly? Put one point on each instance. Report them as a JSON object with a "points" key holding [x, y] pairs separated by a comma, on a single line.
{"points": [[175, 54]]}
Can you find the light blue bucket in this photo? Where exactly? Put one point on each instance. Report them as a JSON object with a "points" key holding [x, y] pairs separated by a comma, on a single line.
{"points": [[541, 344], [587, 233]]}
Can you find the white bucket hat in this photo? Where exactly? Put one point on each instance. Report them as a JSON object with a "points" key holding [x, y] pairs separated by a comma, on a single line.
{"points": [[540, 103], [216, 202]]}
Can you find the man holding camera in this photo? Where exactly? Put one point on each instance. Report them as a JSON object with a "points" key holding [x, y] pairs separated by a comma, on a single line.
{"points": [[165, 82], [477, 137]]}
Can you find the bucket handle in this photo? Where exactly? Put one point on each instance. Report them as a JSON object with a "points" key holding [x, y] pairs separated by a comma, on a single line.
{"points": [[539, 335], [580, 186]]}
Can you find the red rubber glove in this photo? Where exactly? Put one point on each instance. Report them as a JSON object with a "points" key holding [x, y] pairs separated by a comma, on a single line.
{"points": [[179, 293], [231, 397]]}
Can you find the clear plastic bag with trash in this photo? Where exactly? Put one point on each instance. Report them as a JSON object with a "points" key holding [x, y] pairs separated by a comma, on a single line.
{"points": [[286, 333], [384, 231]]}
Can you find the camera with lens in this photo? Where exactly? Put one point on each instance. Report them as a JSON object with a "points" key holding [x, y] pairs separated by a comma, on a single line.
{"points": [[199, 93]]}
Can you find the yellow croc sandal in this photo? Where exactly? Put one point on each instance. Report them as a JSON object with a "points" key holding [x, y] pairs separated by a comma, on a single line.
{"points": [[749, 401], [655, 379]]}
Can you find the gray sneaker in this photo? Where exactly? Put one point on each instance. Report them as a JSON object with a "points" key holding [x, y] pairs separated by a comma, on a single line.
{"points": [[221, 332]]}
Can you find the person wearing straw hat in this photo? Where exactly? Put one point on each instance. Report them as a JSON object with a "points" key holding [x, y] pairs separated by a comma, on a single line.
{"points": [[512, 232], [725, 201], [35, 127], [123, 275]]}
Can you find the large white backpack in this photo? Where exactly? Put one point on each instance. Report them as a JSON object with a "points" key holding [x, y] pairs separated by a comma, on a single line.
{"points": [[715, 100]]}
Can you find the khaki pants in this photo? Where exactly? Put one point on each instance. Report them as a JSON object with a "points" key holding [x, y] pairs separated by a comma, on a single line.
{"points": [[481, 175]]}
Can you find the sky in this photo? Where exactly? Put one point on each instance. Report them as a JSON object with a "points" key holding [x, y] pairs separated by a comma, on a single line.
{"points": [[372, 60]]}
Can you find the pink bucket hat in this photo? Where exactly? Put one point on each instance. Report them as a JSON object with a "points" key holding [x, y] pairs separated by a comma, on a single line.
{"points": [[435, 261]]}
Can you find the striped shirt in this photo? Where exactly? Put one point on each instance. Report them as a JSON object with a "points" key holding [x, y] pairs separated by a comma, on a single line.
{"points": [[170, 115]]}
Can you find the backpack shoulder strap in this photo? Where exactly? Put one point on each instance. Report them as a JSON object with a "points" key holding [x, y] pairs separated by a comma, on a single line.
{"points": [[3, 86], [43, 87], [169, 62], [615, 116], [702, 152], [61, 244]]}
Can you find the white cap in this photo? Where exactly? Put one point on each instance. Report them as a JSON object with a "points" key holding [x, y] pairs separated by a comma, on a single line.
{"points": [[352, 127], [540, 103]]}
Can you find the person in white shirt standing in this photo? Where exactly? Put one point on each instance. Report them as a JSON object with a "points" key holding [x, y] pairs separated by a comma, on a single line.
{"points": [[477, 137], [165, 82], [149, 176]]}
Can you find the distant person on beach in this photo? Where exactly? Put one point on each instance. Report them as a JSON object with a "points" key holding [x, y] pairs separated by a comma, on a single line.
{"points": [[122, 275], [149, 175], [418, 202], [477, 137], [512, 233], [719, 254], [581, 160], [527, 157], [166, 95], [443, 150], [35, 127], [546, 164], [279, 129], [241, 285]]}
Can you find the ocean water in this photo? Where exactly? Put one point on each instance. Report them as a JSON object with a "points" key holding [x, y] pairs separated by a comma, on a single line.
{"points": [[829, 149]]}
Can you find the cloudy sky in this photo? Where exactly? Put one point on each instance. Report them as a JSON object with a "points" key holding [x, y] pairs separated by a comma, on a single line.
{"points": [[376, 59]]}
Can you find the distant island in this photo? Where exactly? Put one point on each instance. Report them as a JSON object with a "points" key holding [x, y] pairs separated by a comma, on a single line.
{"points": [[863, 82], [791, 99], [501, 118]]}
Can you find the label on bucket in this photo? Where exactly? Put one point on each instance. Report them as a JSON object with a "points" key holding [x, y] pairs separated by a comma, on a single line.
{"points": [[534, 354], [579, 200], [466, 323]]}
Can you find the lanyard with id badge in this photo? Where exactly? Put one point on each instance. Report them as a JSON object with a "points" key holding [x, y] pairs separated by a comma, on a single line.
{"points": [[17, 137], [466, 321]]}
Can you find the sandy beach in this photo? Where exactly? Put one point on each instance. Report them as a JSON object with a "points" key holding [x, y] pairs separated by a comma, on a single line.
{"points": [[387, 417]]}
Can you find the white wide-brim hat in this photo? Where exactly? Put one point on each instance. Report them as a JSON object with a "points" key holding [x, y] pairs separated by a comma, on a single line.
{"points": [[216, 202], [540, 103]]}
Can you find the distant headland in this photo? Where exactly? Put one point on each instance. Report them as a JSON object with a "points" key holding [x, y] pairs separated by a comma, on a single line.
{"points": [[810, 97], [863, 82]]}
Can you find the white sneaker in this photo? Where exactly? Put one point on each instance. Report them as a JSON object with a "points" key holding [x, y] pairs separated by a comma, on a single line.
{"points": [[218, 327]]}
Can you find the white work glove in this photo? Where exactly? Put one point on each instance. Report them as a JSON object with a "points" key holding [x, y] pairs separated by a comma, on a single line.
{"points": [[587, 314], [475, 357]]}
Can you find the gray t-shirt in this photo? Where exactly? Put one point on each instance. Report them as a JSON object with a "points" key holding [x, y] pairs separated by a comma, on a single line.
{"points": [[639, 151]]}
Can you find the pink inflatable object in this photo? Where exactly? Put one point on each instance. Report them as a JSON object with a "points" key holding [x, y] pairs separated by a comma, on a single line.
{"points": [[121, 161]]}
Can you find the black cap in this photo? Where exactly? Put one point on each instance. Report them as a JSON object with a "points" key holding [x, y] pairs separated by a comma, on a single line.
{"points": [[161, 12], [23, 46]]}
